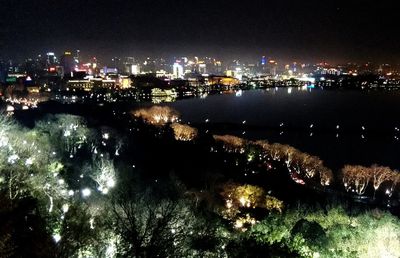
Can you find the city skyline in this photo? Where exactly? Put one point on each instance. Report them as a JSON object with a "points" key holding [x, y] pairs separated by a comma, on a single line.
{"points": [[313, 31]]}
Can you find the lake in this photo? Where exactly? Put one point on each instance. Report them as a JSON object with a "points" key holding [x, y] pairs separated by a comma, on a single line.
{"points": [[340, 126]]}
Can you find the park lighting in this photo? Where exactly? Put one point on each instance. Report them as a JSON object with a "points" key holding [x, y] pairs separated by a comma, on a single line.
{"points": [[57, 238], [91, 222], [238, 224], [242, 201], [10, 108], [13, 158], [229, 204], [110, 183], [67, 133], [29, 162], [65, 207], [86, 192]]}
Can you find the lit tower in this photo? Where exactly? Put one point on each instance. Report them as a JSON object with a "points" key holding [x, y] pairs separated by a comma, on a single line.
{"points": [[67, 62], [177, 70]]}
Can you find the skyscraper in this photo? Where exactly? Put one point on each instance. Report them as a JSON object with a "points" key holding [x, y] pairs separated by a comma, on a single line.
{"points": [[177, 70], [68, 63]]}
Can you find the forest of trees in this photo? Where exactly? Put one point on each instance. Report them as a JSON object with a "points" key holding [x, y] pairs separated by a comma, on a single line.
{"points": [[71, 190]]}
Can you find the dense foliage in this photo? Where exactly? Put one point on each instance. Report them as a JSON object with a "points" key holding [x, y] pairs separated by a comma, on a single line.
{"points": [[70, 190]]}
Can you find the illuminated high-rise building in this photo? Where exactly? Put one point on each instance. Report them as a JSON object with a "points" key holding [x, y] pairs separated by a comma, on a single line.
{"points": [[116, 62], [135, 69], [51, 59], [77, 56], [128, 62], [263, 60], [177, 70], [67, 62], [202, 68]]}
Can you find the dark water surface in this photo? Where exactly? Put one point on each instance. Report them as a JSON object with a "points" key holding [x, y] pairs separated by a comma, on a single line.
{"points": [[342, 127]]}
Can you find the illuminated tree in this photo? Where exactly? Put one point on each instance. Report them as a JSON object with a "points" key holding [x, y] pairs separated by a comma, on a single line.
{"points": [[394, 180], [151, 227], [104, 174], [272, 203], [347, 177], [288, 152], [231, 143], [9, 178], [157, 115], [264, 145], [312, 165], [31, 169], [69, 133], [326, 176], [276, 151], [303, 164], [379, 175], [81, 234], [356, 178], [25, 157], [49, 185], [184, 132], [242, 195], [238, 197], [330, 232]]}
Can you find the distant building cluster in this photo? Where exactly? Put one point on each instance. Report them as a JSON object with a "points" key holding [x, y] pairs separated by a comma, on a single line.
{"points": [[71, 72]]}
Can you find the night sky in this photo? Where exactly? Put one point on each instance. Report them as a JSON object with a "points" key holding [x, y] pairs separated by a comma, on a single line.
{"points": [[333, 31]]}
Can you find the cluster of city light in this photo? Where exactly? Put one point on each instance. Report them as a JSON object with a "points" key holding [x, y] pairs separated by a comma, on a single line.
{"points": [[23, 103]]}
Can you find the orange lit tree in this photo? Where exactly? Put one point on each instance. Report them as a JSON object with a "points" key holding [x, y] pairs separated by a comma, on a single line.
{"points": [[184, 132], [157, 115]]}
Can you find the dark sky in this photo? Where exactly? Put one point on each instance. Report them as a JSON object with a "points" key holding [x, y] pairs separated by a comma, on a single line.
{"points": [[334, 31]]}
